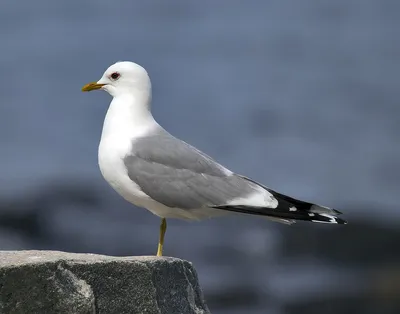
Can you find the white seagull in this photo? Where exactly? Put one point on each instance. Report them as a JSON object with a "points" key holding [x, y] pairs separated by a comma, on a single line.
{"points": [[150, 168]]}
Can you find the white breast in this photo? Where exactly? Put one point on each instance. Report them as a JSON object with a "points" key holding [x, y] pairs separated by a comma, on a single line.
{"points": [[122, 125], [112, 167]]}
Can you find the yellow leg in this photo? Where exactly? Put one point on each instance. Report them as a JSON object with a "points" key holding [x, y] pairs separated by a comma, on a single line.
{"points": [[163, 228]]}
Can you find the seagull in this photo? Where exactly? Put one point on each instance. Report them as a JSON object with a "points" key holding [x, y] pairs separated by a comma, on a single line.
{"points": [[151, 168]]}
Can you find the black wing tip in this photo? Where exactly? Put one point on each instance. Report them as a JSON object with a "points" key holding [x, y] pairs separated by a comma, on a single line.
{"points": [[341, 221], [289, 215]]}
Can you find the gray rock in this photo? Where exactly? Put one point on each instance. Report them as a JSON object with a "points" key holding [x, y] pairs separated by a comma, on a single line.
{"points": [[58, 282]]}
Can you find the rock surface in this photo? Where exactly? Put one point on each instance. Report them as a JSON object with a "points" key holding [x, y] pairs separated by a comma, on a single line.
{"points": [[59, 282]]}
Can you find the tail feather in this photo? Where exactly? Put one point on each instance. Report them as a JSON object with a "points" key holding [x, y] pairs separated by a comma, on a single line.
{"points": [[288, 214], [313, 212], [301, 205], [289, 209]]}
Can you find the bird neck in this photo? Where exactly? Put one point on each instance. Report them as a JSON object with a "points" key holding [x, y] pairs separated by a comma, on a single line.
{"points": [[128, 115]]}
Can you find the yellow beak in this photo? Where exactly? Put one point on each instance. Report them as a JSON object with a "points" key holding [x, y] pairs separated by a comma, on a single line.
{"points": [[92, 86]]}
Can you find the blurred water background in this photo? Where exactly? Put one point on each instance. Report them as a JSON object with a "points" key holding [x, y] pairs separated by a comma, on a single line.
{"points": [[300, 95]]}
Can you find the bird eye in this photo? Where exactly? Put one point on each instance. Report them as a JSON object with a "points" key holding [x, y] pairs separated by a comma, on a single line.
{"points": [[115, 76]]}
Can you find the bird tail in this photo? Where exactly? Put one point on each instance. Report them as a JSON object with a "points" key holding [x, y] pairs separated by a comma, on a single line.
{"points": [[315, 212], [288, 216], [289, 210]]}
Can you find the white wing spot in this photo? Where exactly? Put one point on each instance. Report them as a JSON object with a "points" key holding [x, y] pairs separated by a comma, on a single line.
{"points": [[292, 209], [311, 214], [331, 218], [322, 222], [259, 198]]}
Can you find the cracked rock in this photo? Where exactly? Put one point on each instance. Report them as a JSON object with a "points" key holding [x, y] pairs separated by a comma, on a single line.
{"points": [[58, 282]]}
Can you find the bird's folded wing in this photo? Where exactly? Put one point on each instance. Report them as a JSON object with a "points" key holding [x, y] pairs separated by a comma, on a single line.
{"points": [[177, 175]]}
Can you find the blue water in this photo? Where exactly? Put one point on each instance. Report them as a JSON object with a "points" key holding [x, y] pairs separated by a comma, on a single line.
{"points": [[300, 95]]}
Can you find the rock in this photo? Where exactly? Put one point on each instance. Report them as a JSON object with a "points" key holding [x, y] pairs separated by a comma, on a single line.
{"points": [[59, 282]]}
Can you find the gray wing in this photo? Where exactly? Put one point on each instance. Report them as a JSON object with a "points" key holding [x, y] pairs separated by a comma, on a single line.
{"points": [[177, 175]]}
